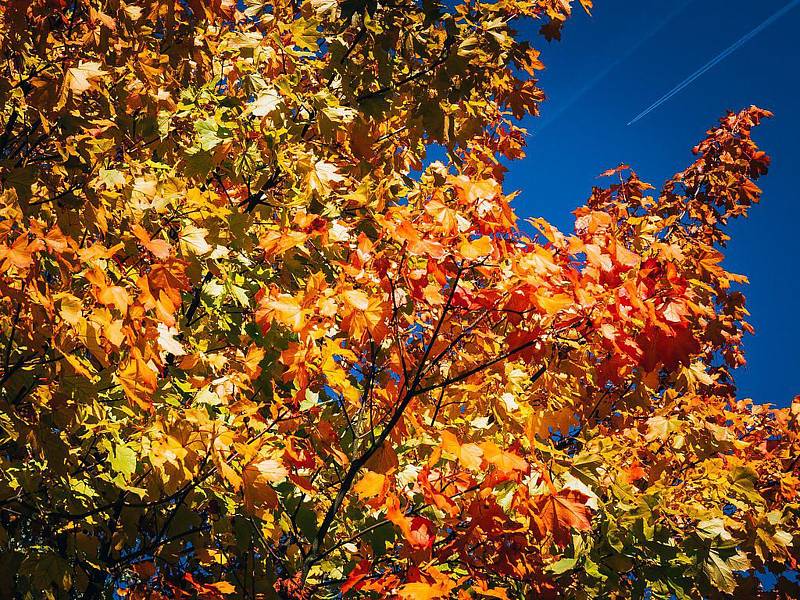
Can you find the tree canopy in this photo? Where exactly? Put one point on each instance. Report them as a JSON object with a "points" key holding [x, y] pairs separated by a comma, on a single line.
{"points": [[254, 343]]}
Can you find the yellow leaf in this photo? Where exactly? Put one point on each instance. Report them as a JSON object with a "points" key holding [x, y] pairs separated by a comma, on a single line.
{"points": [[323, 177], [269, 469], [223, 587], [266, 103], [167, 341], [474, 249], [71, 308], [194, 240]]}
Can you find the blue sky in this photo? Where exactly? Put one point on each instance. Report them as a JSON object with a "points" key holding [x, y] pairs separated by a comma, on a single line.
{"points": [[611, 66]]}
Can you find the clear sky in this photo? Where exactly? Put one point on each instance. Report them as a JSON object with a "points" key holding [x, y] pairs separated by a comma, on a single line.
{"points": [[610, 67]]}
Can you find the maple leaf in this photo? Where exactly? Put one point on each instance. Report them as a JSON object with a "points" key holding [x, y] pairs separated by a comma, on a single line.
{"points": [[478, 248], [287, 310], [418, 531], [193, 239], [506, 462], [367, 312], [214, 591], [554, 304], [160, 248], [423, 591], [167, 341], [323, 177], [115, 295], [370, 485], [356, 576], [560, 513], [432, 584], [71, 309], [85, 76], [469, 455], [257, 483], [266, 103], [268, 469], [356, 299], [138, 379], [20, 254]]}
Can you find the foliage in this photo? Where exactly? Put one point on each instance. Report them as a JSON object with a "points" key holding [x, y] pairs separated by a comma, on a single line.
{"points": [[254, 344]]}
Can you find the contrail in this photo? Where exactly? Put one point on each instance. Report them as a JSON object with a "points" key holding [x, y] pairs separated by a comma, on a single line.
{"points": [[717, 59], [613, 65]]}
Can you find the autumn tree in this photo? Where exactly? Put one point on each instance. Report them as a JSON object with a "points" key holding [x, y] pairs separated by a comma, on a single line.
{"points": [[255, 344]]}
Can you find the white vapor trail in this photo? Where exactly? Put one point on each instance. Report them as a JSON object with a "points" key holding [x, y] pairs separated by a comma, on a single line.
{"points": [[717, 59], [588, 86]]}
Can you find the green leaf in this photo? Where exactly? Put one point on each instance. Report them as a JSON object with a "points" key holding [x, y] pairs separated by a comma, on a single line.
{"points": [[198, 163], [563, 565], [712, 529], [209, 133], [307, 522], [742, 483], [721, 571]]}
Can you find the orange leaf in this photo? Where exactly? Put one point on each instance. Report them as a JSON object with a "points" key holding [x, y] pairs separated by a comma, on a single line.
{"points": [[160, 248], [418, 531], [356, 576], [553, 304], [223, 587], [370, 485], [469, 455], [507, 462], [114, 295], [419, 590], [633, 473], [432, 584], [20, 254], [259, 496], [560, 513], [138, 380], [287, 310]]}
